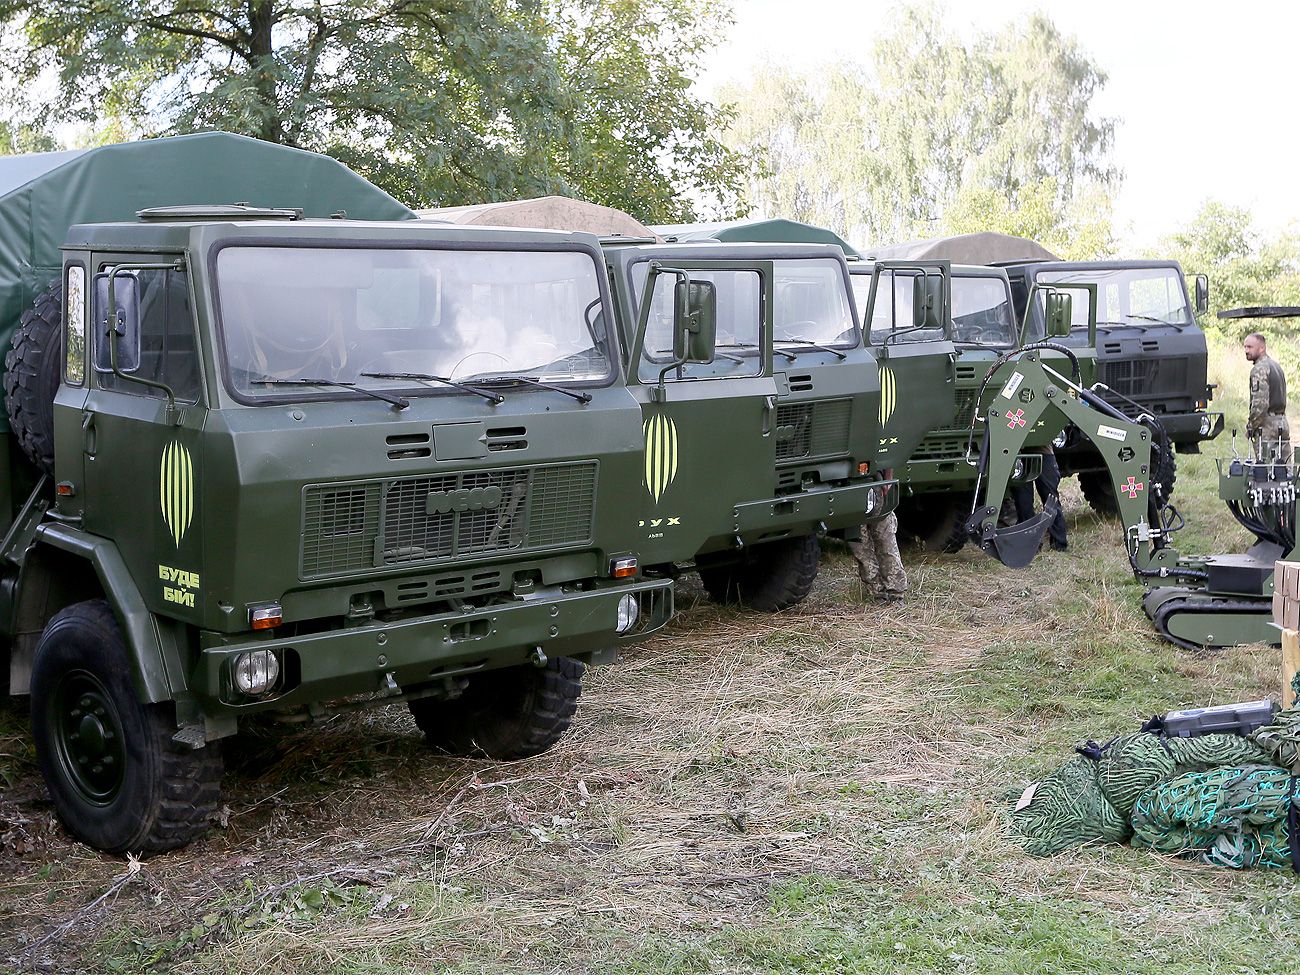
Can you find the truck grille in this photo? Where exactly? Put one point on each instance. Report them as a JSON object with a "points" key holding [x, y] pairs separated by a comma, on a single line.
{"points": [[812, 429], [371, 525], [1137, 378], [964, 410]]}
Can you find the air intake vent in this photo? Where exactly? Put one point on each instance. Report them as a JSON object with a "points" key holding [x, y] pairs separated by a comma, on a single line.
{"points": [[404, 446], [965, 373], [507, 438], [1150, 345], [1111, 348], [801, 384]]}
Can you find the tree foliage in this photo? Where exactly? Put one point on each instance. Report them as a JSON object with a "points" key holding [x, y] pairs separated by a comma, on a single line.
{"points": [[438, 102], [1245, 267], [992, 127]]}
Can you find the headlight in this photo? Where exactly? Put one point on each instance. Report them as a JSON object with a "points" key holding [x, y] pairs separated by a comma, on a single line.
{"points": [[628, 613], [1059, 440], [256, 672], [1019, 469], [1205, 425]]}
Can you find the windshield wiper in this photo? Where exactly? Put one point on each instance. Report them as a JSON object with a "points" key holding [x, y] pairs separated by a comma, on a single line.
{"points": [[1160, 321], [424, 377], [400, 402], [750, 345], [534, 381], [813, 345]]}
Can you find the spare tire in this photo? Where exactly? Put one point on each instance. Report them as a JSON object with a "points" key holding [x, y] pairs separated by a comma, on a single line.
{"points": [[32, 370]]}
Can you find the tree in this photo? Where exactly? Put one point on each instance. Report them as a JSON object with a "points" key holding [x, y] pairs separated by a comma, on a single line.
{"points": [[1002, 123], [439, 103], [1244, 266], [16, 139], [1079, 231]]}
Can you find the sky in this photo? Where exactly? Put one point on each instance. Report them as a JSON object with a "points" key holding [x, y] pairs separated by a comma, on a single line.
{"points": [[1205, 94]]}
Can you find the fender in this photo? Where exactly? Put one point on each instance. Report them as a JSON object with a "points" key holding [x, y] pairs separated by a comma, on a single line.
{"points": [[155, 645]]}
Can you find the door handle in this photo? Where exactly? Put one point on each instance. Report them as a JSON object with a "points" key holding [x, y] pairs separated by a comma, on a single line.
{"points": [[88, 434], [769, 404]]}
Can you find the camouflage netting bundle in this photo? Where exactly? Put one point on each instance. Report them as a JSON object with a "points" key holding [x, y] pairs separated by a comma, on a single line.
{"points": [[1281, 740], [1092, 796], [1228, 817]]}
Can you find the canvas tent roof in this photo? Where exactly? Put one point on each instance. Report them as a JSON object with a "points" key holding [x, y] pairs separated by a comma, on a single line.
{"points": [[981, 248], [545, 213], [43, 194], [767, 231]]}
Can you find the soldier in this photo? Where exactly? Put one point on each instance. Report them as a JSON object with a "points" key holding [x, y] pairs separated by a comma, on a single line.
{"points": [[880, 567], [1267, 426]]}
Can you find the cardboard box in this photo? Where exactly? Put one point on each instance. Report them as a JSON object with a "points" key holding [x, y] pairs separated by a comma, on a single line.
{"points": [[1286, 595]]}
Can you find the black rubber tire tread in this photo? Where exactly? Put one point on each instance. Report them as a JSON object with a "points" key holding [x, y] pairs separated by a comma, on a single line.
{"points": [[506, 714], [938, 521], [775, 575], [1099, 492], [1164, 463], [172, 792], [32, 372]]}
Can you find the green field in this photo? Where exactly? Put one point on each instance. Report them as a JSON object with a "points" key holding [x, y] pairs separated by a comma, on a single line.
{"points": [[819, 791]]}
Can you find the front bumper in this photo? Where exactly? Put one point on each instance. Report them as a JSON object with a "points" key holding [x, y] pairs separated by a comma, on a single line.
{"points": [[363, 659], [808, 511], [938, 475], [1191, 427]]}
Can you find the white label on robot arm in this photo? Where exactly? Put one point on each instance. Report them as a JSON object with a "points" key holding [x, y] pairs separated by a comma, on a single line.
{"points": [[1112, 433], [1013, 384]]}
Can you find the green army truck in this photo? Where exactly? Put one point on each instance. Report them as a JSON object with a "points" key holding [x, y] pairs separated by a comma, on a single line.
{"points": [[1151, 357], [267, 465], [939, 478], [776, 436]]}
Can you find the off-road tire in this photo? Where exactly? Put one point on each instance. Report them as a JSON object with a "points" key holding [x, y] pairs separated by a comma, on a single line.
{"points": [[516, 712], [774, 576], [165, 794], [32, 368], [938, 522]]}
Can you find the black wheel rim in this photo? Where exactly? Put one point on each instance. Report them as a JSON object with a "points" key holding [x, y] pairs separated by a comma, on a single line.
{"points": [[88, 739]]}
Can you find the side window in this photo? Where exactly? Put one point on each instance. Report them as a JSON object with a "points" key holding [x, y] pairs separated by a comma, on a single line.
{"points": [[894, 298], [74, 339], [167, 349], [739, 327]]}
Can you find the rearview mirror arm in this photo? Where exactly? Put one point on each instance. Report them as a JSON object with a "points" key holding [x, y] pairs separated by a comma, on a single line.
{"points": [[173, 415]]}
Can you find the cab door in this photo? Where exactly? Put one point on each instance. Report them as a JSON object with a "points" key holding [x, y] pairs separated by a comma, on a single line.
{"points": [[708, 426], [913, 346], [141, 422]]}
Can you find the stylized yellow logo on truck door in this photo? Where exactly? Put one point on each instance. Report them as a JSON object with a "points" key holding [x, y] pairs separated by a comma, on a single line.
{"points": [[660, 454], [888, 394], [176, 490]]}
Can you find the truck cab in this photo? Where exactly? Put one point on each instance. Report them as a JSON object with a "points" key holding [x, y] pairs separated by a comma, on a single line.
{"points": [[1151, 354], [776, 436], [302, 466]]}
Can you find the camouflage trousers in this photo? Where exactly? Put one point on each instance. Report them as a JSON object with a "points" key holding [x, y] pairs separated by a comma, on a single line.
{"points": [[880, 567], [1273, 440]]}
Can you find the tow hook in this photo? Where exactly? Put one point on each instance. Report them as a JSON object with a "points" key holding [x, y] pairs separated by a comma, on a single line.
{"points": [[537, 658]]}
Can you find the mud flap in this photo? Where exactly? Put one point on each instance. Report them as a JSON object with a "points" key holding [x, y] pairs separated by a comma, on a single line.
{"points": [[1016, 546]]}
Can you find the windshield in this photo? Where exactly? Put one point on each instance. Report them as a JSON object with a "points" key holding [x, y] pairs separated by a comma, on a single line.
{"points": [[810, 302], [1139, 297], [981, 312], [295, 314], [981, 309]]}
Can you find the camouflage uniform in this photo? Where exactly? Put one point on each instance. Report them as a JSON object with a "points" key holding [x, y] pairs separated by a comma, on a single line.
{"points": [[880, 567], [1267, 427]]}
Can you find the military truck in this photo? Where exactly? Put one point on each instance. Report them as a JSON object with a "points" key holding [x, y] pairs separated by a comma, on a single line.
{"points": [[1151, 357], [939, 479], [268, 465]]}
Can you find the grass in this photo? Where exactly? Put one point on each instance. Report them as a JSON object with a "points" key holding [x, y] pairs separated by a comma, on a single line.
{"points": [[820, 791]]}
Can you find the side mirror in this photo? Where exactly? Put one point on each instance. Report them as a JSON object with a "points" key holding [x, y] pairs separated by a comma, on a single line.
{"points": [[117, 329], [927, 301], [1202, 299], [695, 320], [1060, 314]]}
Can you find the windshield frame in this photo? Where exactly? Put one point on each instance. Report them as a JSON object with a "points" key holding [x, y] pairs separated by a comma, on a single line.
{"points": [[1092, 269], [777, 259], [303, 394]]}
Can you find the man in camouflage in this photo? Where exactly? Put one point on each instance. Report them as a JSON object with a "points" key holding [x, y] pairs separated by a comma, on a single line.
{"points": [[880, 567], [1267, 424]]}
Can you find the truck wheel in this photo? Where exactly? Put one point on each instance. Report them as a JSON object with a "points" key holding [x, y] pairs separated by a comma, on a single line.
{"points": [[938, 521], [1099, 492], [504, 714], [32, 376], [118, 781], [775, 575]]}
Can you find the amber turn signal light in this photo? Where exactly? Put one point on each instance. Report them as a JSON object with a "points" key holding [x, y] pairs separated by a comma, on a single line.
{"points": [[623, 567]]}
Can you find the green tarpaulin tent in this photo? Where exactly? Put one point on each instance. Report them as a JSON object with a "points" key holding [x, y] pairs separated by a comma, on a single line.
{"points": [[772, 231]]}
